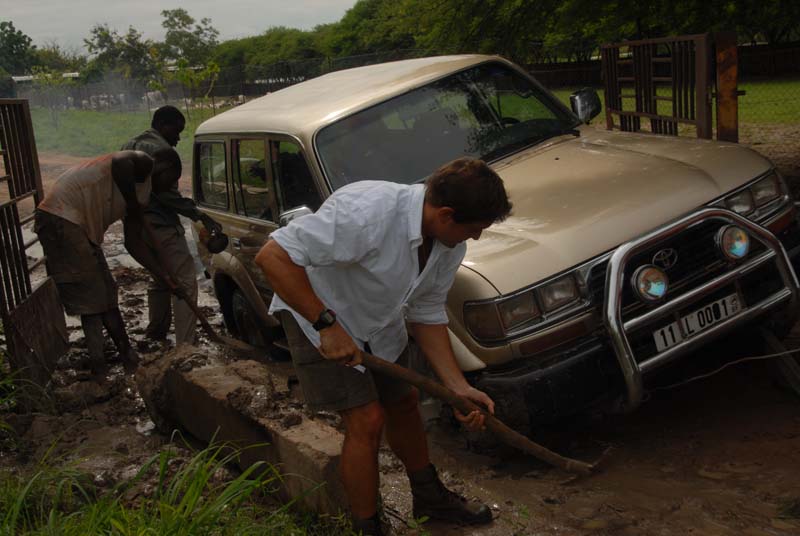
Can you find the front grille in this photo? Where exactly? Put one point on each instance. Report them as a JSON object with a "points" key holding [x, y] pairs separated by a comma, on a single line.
{"points": [[698, 262]]}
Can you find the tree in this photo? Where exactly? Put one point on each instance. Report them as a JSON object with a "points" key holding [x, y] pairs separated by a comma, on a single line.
{"points": [[129, 54], [185, 39], [52, 85], [56, 58], [7, 87], [16, 50]]}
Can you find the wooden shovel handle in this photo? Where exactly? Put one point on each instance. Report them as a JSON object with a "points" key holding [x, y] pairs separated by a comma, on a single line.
{"points": [[464, 405]]}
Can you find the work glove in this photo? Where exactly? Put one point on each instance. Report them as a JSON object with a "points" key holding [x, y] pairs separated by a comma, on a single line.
{"points": [[210, 224]]}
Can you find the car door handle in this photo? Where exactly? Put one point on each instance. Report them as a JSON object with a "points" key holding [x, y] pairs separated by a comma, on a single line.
{"points": [[237, 243]]}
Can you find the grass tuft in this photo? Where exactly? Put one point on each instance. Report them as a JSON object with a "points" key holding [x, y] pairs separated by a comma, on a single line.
{"points": [[186, 499]]}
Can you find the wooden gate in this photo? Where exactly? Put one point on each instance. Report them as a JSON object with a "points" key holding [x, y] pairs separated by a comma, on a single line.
{"points": [[33, 319], [670, 82]]}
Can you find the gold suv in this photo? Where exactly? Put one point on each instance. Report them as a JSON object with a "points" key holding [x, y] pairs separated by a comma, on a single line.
{"points": [[624, 253]]}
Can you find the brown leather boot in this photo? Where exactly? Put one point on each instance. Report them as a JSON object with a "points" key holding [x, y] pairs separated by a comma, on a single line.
{"points": [[432, 499]]}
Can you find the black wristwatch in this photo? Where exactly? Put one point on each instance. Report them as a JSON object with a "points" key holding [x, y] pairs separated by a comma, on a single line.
{"points": [[326, 319]]}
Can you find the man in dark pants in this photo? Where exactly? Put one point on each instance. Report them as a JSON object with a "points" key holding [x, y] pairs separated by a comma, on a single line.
{"points": [[162, 214], [71, 221], [375, 256]]}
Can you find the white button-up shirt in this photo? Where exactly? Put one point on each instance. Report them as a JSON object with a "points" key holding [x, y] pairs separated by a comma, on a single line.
{"points": [[360, 251]]}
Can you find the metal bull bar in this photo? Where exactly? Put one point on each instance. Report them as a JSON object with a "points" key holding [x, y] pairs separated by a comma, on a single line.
{"points": [[633, 370]]}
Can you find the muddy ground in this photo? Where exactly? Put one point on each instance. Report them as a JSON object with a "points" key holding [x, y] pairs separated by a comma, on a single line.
{"points": [[719, 456]]}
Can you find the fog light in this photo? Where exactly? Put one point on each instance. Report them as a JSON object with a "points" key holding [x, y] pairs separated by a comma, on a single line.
{"points": [[650, 283], [733, 242]]}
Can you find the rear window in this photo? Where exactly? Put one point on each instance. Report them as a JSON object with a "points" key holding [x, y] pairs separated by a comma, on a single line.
{"points": [[212, 173]]}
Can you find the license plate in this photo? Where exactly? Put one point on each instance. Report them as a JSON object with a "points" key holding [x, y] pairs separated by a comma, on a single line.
{"points": [[696, 321]]}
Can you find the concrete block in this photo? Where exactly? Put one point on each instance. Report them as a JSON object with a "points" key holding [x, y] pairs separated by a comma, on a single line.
{"points": [[238, 403]]}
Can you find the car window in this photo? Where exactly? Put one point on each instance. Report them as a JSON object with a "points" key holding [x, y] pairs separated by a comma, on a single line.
{"points": [[487, 112], [253, 181], [213, 174], [293, 179]]}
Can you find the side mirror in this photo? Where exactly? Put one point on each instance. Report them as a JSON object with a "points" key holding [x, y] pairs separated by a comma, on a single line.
{"points": [[585, 104], [292, 214]]}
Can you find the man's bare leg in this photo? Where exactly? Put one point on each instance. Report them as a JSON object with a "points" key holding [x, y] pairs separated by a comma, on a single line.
{"points": [[405, 432], [112, 320], [359, 460]]}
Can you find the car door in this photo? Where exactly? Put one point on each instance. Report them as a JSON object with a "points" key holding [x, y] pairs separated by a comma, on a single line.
{"points": [[293, 178], [256, 203], [211, 186]]}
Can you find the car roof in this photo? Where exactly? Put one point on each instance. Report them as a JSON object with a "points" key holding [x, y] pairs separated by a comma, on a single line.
{"points": [[302, 108]]}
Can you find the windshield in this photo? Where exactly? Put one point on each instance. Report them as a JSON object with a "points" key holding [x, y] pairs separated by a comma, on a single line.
{"points": [[485, 112]]}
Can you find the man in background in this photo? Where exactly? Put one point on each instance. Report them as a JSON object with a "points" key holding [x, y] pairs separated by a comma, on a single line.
{"points": [[162, 215]]}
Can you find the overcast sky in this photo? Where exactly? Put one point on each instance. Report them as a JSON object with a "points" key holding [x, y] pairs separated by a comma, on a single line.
{"points": [[68, 21]]}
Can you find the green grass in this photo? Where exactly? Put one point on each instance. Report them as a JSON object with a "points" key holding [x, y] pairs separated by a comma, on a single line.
{"points": [[185, 500], [91, 133]]}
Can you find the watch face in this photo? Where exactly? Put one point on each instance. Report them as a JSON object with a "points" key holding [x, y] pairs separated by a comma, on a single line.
{"points": [[326, 319]]}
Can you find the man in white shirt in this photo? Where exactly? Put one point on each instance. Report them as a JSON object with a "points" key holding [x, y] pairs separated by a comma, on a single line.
{"points": [[375, 256]]}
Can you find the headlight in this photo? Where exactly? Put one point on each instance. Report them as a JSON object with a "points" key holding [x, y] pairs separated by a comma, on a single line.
{"points": [[733, 242], [766, 190], [518, 310], [650, 283], [494, 320], [483, 321], [741, 203], [559, 293]]}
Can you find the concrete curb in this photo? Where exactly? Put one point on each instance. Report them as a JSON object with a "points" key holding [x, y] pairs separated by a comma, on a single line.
{"points": [[238, 403]]}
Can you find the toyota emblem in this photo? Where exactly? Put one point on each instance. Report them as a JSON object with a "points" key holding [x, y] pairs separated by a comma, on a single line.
{"points": [[666, 258]]}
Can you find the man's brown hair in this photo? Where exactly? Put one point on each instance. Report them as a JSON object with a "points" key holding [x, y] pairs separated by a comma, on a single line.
{"points": [[471, 188]]}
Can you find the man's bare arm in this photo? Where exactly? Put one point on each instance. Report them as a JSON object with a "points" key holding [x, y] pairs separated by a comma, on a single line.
{"points": [[434, 342], [128, 168], [290, 282]]}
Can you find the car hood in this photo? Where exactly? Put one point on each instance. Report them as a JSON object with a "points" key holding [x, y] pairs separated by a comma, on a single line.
{"points": [[576, 198]]}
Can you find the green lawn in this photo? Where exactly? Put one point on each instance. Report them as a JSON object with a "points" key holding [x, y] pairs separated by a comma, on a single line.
{"points": [[91, 133]]}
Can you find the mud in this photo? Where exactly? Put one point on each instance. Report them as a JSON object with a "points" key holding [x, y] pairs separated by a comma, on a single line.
{"points": [[720, 456]]}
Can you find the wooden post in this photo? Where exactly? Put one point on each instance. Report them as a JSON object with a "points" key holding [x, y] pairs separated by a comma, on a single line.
{"points": [[727, 73]]}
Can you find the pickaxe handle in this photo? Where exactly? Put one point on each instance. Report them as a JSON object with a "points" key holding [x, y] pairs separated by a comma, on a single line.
{"points": [[465, 406]]}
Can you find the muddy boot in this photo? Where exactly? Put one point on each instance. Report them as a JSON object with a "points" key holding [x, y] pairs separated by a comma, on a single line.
{"points": [[369, 527], [130, 360], [432, 499]]}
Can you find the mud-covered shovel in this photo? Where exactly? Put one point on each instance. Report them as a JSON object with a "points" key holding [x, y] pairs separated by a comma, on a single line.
{"points": [[465, 406], [240, 346]]}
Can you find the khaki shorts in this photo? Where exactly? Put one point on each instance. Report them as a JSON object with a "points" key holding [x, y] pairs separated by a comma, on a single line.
{"points": [[77, 266], [330, 386]]}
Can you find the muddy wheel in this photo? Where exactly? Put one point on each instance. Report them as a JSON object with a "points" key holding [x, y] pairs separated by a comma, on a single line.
{"points": [[249, 327]]}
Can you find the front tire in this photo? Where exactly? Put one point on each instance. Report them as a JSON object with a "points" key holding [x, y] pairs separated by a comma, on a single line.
{"points": [[248, 325]]}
